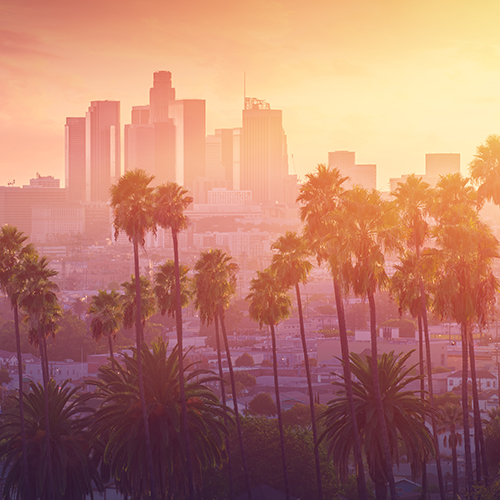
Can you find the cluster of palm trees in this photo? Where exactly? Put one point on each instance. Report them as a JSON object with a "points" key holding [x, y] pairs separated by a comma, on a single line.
{"points": [[445, 255]]}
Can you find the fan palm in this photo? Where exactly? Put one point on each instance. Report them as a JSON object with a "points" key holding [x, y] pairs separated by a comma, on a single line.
{"points": [[214, 286], [370, 227], [321, 200], [171, 201], [148, 303], [450, 419], [72, 461], [413, 199], [119, 428], [402, 413], [12, 254], [164, 288], [107, 316], [292, 267], [269, 305], [133, 202], [485, 169]]}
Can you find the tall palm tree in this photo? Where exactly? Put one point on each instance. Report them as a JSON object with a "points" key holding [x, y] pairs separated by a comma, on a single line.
{"points": [[485, 169], [214, 286], [321, 200], [164, 288], [70, 415], [39, 300], [370, 226], [402, 414], [132, 201], [118, 425], [292, 268], [12, 254], [450, 419], [171, 201], [466, 250], [107, 316], [413, 200], [268, 305]]}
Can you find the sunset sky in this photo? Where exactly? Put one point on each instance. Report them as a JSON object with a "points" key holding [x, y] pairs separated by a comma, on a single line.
{"points": [[389, 79]]}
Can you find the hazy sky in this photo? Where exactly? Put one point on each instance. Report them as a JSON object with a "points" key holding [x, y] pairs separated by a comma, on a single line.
{"points": [[389, 79]]}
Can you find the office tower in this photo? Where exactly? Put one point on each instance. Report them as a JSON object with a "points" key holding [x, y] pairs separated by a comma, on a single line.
{"points": [[264, 163], [188, 116], [75, 158], [362, 175], [160, 96], [102, 153], [219, 156], [437, 164], [45, 181], [139, 141]]}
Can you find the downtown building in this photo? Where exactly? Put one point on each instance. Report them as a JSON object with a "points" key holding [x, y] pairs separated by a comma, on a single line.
{"points": [[361, 175]]}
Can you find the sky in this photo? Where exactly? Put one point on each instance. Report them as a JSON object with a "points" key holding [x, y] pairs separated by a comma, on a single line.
{"points": [[391, 80]]}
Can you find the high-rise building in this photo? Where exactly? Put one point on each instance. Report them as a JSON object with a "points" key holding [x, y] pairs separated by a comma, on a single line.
{"points": [[362, 175], [264, 162], [188, 116], [160, 95], [219, 155], [102, 153], [75, 158], [437, 164]]}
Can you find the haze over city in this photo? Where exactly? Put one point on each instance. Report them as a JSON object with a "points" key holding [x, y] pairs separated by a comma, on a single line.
{"points": [[389, 80]]}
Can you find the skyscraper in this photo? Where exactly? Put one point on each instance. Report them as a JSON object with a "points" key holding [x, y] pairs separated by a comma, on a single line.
{"points": [[188, 116], [264, 162], [362, 175], [75, 158], [102, 148]]}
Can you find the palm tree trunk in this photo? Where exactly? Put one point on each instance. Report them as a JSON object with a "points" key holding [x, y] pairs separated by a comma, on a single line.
{"points": [[478, 427], [455, 462], [378, 398], [280, 418], [45, 377], [465, 408], [310, 390], [21, 401], [139, 336], [182, 392], [422, 394], [344, 346], [223, 395], [423, 312], [235, 401], [110, 342]]}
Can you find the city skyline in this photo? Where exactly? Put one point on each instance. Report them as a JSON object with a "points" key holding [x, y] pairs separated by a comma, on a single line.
{"points": [[391, 81]]}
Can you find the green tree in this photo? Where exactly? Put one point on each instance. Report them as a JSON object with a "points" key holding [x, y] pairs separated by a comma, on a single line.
{"points": [[12, 254], [322, 203], [492, 439], [262, 404], [291, 265], [450, 420], [118, 426], [107, 316], [300, 414], [75, 471], [402, 413], [269, 305], [133, 204], [244, 360]]}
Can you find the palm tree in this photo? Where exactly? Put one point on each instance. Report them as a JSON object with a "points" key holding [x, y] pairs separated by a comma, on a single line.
{"points": [[292, 267], [118, 426], [106, 309], [370, 226], [450, 419], [466, 290], [402, 413], [12, 253], [148, 303], [413, 199], [321, 198], [164, 288], [214, 286], [269, 305], [132, 203], [485, 169], [171, 201], [70, 415]]}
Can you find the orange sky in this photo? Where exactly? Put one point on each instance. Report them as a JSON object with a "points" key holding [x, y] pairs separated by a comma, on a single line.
{"points": [[389, 79]]}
